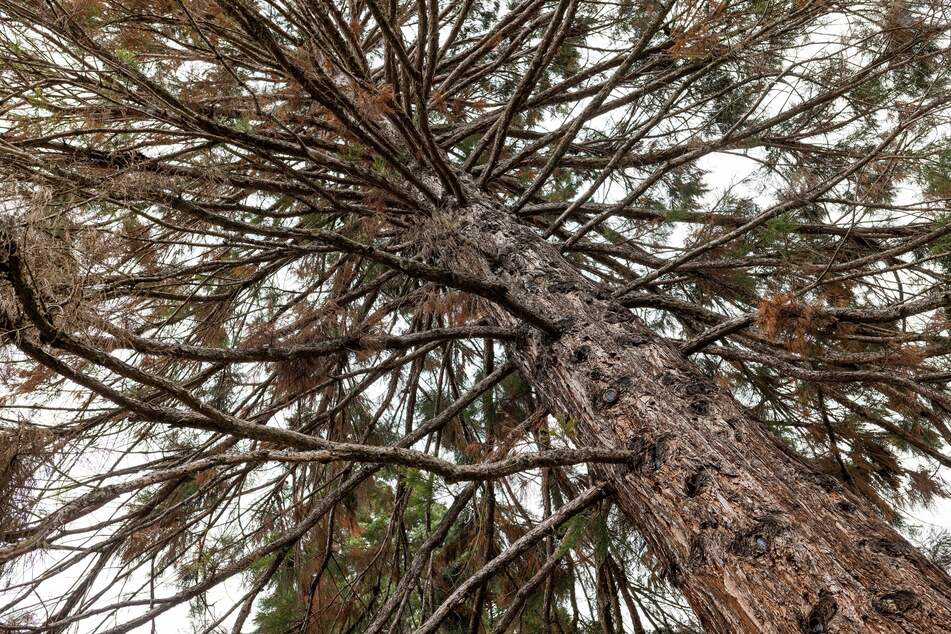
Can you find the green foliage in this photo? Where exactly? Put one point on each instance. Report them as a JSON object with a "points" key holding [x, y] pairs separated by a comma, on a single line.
{"points": [[243, 125], [778, 229], [36, 98], [380, 167], [936, 546], [280, 610], [566, 426], [572, 530], [352, 152], [676, 215], [127, 57], [941, 248], [935, 176], [685, 189], [870, 94], [468, 144], [563, 189]]}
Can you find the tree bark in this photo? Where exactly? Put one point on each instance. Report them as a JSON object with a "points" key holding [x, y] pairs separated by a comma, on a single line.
{"points": [[755, 539]]}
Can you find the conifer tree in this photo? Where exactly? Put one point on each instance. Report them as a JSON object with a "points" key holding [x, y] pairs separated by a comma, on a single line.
{"points": [[417, 316]]}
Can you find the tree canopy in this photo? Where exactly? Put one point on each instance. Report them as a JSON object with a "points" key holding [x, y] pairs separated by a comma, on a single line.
{"points": [[238, 376]]}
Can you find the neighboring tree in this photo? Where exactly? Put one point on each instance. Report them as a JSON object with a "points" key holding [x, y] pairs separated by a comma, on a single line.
{"points": [[411, 316]]}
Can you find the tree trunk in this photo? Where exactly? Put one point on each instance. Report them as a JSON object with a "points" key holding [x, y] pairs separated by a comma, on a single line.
{"points": [[755, 539]]}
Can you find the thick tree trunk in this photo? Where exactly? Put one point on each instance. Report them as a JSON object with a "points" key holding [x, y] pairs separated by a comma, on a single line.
{"points": [[756, 540]]}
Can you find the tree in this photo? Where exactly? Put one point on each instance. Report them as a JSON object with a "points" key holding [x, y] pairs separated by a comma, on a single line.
{"points": [[330, 304]]}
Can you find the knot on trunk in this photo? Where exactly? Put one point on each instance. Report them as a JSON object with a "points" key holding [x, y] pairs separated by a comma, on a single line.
{"points": [[699, 407], [696, 387], [612, 395], [696, 391], [563, 326], [618, 316], [632, 341], [888, 547], [674, 573], [651, 454], [609, 397], [822, 613], [696, 483], [562, 286], [581, 353], [897, 602], [828, 483], [758, 539], [845, 506]]}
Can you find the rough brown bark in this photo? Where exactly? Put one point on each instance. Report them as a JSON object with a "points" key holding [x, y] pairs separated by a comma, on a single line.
{"points": [[756, 540]]}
